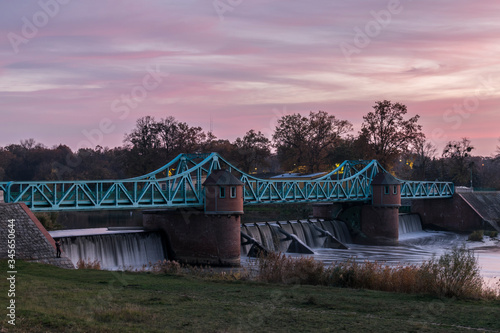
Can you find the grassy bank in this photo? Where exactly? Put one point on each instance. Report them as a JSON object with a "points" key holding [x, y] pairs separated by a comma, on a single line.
{"points": [[49, 299]]}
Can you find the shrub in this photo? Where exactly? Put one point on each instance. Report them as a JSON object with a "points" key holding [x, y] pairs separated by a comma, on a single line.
{"points": [[82, 264], [49, 220], [278, 268], [454, 274], [373, 275], [491, 233], [203, 272], [476, 236], [167, 267]]}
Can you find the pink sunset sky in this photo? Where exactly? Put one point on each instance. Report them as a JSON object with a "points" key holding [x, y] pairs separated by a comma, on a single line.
{"points": [[79, 72]]}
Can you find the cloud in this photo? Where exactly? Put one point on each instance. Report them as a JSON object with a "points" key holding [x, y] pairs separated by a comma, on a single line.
{"points": [[263, 56]]}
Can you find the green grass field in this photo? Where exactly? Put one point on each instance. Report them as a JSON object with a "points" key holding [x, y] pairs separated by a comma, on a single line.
{"points": [[49, 299]]}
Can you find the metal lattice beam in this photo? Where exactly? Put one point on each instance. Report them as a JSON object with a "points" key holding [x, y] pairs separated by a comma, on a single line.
{"points": [[179, 184]]}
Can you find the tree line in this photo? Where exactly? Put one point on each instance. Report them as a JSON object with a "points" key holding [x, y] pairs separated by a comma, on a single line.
{"points": [[306, 144]]}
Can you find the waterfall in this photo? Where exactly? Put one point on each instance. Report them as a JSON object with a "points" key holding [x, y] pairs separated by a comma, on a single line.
{"points": [[115, 251], [409, 223], [280, 240], [266, 235], [318, 237], [252, 231], [337, 229], [309, 235], [279, 236], [298, 230]]}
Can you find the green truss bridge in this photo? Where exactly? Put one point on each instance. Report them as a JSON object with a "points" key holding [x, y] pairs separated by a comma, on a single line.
{"points": [[179, 184]]}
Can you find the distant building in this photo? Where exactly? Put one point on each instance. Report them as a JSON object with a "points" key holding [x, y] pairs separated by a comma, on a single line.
{"points": [[298, 176]]}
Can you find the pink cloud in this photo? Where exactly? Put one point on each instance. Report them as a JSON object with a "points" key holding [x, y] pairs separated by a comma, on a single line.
{"points": [[264, 56]]}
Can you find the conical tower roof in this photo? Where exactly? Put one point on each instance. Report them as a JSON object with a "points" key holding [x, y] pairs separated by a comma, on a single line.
{"points": [[222, 178], [384, 178]]}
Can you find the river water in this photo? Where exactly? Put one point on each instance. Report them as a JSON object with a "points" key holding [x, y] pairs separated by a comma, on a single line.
{"points": [[118, 249], [417, 247]]}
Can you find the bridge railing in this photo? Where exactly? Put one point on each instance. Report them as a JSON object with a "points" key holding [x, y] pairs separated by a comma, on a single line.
{"points": [[426, 189], [354, 188], [103, 194], [182, 189], [3, 190], [179, 184]]}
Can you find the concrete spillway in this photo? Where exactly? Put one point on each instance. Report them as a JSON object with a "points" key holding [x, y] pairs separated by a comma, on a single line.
{"points": [[486, 205], [113, 249], [293, 236], [466, 211], [409, 223]]}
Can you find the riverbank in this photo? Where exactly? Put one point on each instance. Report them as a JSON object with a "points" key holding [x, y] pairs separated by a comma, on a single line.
{"points": [[50, 299]]}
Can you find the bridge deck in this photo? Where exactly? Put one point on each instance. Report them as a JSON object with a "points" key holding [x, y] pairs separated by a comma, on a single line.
{"points": [[179, 184]]}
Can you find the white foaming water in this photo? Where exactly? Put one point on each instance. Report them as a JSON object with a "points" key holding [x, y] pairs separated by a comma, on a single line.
{"points": [[415, 248], [114, 250], [409, 223]]}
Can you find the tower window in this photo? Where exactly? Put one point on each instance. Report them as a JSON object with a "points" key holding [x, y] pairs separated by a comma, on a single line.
{"points": [[233, 191], [386, 189], [222, 192], [395, 190]]}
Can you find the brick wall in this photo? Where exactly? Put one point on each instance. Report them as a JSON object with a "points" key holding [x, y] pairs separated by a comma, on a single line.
{"points": [[451, 214], [33, 242]]}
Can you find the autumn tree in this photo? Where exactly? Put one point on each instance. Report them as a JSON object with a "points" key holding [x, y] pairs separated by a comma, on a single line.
{"points": [[350, 148], [306, 141], [5, 160], [223, 147], [388, 133], [252, 150], [157, 142]]}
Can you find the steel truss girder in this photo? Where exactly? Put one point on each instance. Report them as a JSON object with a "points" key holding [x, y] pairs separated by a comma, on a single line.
{"points": [[179, 184]]}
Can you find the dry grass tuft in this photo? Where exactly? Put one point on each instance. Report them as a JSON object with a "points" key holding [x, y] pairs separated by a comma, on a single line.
{"points": [[167, 267], [82, 264], [476, 236], [173, 267], [454, 274], [278, 268], [491, 233]]}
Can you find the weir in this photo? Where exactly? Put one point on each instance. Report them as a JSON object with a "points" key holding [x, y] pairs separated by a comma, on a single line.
{"points": [[135, 248], [409, 223], [300, 236], [113, 250], [197, 201]]}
